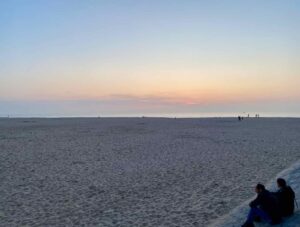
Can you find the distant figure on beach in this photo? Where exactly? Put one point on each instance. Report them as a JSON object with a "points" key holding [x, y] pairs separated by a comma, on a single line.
{"points": [[264, 207], [240, 118], [286, 198]]}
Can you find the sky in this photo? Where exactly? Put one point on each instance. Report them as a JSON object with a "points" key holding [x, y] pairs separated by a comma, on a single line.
{"points": [[152, 58]]}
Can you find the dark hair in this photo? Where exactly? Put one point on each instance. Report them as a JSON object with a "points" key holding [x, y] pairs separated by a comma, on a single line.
{"points": [[281, 182], [260, 187]]}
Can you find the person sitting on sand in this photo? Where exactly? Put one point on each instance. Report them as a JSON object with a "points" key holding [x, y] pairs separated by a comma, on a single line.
{"points": [[286, 198], [265, 206]]}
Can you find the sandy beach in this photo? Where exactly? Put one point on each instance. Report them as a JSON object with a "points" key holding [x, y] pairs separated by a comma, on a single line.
{"points": [[137, 171]]}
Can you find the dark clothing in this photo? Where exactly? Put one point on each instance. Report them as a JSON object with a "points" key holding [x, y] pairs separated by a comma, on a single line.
{"points": [[286, 197], [258, 213], [267, 202], [248, 224]]}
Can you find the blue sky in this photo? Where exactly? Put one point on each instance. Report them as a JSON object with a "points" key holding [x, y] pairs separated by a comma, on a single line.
{"points": [[149, 57]]}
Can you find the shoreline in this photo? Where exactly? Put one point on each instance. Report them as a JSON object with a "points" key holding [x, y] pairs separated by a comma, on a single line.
{"points": [[147, 117]]}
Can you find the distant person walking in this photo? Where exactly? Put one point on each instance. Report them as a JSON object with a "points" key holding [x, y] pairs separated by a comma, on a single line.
{"points": [[265, 207], [286, 198]]}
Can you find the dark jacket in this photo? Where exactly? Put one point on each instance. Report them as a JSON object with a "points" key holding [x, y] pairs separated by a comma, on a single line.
{"points": [[268, 203], [286, 197]]}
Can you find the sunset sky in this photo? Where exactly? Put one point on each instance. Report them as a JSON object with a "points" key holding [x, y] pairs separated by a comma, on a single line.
{"points": [[156, 58]]}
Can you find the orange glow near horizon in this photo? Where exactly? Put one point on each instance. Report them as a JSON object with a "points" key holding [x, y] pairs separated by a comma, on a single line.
{"points": [[221, 80], [173, 91]]}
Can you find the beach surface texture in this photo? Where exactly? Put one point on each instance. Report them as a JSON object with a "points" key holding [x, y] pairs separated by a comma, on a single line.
{"points": [[239, 214], [141, 171]]}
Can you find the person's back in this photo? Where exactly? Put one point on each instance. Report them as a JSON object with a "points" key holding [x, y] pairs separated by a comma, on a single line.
{"points": [[286, 197]]}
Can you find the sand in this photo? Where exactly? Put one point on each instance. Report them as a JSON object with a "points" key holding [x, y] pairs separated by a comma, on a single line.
{"points": [[137, 171], [239, 214]]}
